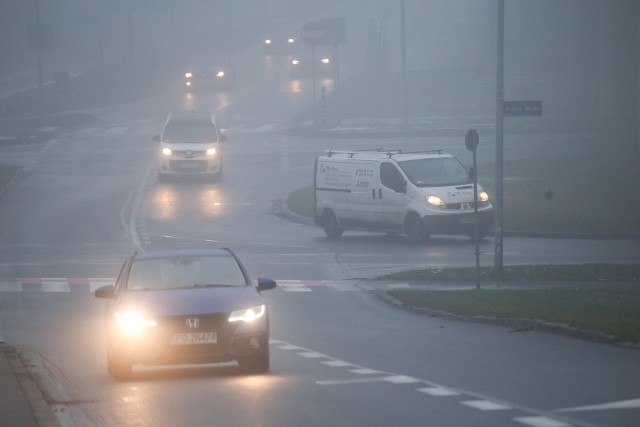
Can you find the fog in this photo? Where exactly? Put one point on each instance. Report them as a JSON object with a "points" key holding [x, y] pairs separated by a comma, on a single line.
{"points": [[579, 56]]}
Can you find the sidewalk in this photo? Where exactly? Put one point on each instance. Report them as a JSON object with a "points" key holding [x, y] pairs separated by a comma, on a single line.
{"points": [[21, 402]]}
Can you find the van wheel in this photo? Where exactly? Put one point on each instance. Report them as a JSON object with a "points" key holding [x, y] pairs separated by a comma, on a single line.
{"points": [[330, 225], [414, 228]]}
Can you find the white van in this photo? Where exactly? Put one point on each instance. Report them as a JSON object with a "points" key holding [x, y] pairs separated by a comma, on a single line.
{"points": [[415, 193]]}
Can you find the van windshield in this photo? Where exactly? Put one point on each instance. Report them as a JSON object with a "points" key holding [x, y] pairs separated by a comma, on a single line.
{"points": [[190, 132], [435, 172]]}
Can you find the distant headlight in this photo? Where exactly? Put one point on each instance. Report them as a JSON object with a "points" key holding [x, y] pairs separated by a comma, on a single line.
{"points": [[188, 75], [295, 62], [325, 60], [220, 74], [167, 151], [435, 201], [248, 315], [267, 41], [290, 41], [211, 151], [133, 322], [484, 197]]}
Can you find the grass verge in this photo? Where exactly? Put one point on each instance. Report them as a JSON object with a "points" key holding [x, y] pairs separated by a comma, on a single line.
{"points": [[614, 312], [607, 309]]}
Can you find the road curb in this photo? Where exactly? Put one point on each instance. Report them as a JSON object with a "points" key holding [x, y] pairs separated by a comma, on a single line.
{"points": [[516, 324], [33, 396]]}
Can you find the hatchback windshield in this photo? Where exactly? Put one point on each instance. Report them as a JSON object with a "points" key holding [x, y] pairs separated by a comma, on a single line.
{"points": [[190, 132], [436, 172], [185, 272]]}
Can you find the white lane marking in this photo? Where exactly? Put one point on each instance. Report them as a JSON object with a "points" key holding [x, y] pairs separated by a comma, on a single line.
{"points": [[289, 347], [365, 371], [293, 287], [353, 381], [398, 286], [485, 405], [541, 422], [623, 404], [539, 418], [401, 379], [344, 287], [336, 363], [48, 128], [55, 285], [438, 391], [312, 355]]}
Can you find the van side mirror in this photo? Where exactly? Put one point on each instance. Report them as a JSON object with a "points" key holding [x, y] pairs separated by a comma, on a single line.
{"points": [[156, 138]]}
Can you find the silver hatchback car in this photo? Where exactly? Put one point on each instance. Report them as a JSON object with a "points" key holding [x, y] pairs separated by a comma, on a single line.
{"points": [[190, 145]]}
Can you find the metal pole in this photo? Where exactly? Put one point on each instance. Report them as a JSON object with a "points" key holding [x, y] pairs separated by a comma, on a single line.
{"points": [[403, 50], [40, 56], [313, 82], [475, 218], [498, 249]]}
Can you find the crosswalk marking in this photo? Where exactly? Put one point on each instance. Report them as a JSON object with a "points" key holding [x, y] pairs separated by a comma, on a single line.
{"points": [[76, 284], [150, 128]]}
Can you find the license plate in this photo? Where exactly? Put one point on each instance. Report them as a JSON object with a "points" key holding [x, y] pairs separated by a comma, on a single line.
{"points": [[194, 338], [189, 165], [466, 220]]}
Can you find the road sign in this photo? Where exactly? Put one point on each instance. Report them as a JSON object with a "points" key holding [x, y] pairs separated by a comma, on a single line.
{"points": [[471, 140], [312, 33], [523, 108]]}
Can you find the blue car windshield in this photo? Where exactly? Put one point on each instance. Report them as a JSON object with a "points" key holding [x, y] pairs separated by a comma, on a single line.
{"points": [[435, 172], [185, 272]]}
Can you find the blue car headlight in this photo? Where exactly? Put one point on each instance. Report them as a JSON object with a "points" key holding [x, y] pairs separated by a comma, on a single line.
{"points": [[248, 315]]}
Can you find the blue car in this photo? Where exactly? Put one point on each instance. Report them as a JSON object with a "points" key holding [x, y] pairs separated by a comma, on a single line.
{"points": [[185, 306]]}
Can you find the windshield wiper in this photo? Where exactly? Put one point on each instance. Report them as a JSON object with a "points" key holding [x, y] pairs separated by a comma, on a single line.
{"points": [[210, 285]]}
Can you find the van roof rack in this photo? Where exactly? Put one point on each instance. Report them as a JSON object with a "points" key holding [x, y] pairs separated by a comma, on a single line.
{"points": [[388, 152]]}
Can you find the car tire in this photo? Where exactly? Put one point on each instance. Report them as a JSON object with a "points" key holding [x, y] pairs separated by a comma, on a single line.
{"points": [[414, 229], [255, 364], [330, 225]]}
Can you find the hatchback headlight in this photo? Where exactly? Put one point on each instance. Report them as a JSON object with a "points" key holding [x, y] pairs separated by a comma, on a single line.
{"points": [[295, 61], [220, 73], [167, 151], [484, 197], [133, 322], [211, 151], [248, 315]]}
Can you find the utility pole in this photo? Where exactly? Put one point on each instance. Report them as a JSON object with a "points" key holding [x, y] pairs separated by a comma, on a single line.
{"points": [[40, 54], [498, 249], [403, 50]]}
